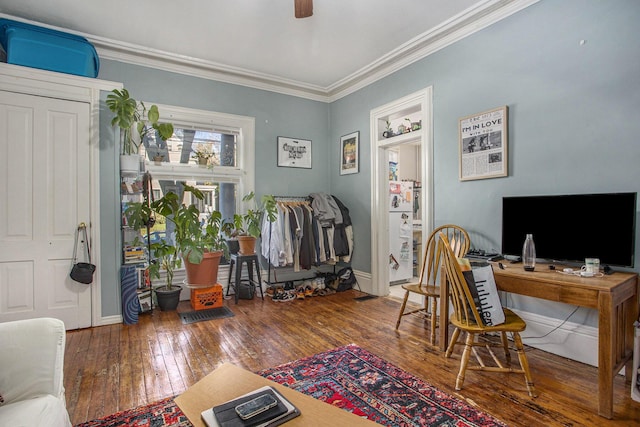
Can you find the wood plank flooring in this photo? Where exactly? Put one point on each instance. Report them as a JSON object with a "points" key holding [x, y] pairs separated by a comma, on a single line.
{"points": [[117, 367]]}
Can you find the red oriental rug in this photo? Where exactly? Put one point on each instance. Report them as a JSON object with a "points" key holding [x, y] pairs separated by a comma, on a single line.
{"points": [[348, 377]]}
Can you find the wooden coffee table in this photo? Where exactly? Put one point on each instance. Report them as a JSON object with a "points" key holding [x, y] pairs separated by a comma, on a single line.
{"points": [[229, 381]]}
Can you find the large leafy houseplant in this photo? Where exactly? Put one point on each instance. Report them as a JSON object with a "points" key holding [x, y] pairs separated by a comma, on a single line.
{"points": [[129, 112], [194, 241], [192, 238]]}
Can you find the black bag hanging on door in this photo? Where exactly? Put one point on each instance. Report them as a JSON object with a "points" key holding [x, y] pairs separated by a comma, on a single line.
{"points": [[82, 272]]}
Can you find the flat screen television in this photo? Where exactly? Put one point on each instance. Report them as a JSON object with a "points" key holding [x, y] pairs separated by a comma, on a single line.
{"points": [[572, 227]]}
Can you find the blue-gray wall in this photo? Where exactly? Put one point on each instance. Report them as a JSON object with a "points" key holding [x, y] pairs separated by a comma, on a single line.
{"points": [[572, 117], [573, 125], [275, 115]]}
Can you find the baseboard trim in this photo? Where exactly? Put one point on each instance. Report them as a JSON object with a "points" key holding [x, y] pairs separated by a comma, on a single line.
{"points": [[110, 320], [571, 340]]}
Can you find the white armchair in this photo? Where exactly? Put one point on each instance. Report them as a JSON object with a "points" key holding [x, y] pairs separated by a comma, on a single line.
{"points": [[31, 371]]}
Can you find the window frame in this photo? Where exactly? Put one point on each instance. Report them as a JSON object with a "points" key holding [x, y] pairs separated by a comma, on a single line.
{"points": [[243, 174]]}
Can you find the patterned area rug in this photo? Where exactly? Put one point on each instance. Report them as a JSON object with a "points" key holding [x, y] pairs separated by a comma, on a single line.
{"points": [[348, 377], [163, 413]]}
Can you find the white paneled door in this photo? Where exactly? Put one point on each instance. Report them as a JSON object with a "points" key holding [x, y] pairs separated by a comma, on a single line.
{"points": [[44, 195]]}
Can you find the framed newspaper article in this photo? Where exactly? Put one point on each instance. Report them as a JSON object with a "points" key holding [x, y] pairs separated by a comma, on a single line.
{"points": [[483, 145]]}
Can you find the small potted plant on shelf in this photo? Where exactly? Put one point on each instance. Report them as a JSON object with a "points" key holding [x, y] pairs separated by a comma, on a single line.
{"points": [[246, 228], [203, 154], [201, 245], [388, 132], [165, 258], [129, 112]]}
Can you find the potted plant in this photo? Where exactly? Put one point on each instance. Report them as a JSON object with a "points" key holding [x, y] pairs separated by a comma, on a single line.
{"points": [[203, 154], [129, 112], [246, 228], [165, 258], [200, 245], [388, 132]]}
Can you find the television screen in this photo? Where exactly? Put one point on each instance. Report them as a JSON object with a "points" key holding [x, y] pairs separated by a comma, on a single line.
{"points": [[572, 227]]}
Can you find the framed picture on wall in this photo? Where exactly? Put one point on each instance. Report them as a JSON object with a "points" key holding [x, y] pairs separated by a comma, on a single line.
{"points": [[349, 153], [483, 145], [294, 152]]}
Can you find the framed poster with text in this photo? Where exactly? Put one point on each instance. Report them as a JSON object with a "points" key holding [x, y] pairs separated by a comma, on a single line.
{"points": [[294, 153], [483, 145]]}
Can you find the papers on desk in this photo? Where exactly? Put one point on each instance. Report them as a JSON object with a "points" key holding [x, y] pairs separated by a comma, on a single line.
{"points": [[224, 415]]}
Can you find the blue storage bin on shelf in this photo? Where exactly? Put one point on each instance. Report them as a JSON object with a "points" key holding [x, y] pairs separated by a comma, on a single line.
{"points": [[39, 47]]}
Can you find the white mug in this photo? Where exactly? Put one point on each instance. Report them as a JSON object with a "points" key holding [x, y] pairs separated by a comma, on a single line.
{"points": [[591, 267]]}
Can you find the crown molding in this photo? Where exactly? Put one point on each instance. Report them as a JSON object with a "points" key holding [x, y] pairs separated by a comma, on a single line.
{"points": [[181, 64], [457, 28], [468, 22]]}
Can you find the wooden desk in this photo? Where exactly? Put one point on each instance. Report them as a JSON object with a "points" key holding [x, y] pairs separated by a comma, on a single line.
{"points": [[614, 296], [228, 382]]}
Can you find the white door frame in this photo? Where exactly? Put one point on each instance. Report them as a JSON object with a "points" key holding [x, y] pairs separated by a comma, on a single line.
{"points": [[380, 180], [31, 81]]}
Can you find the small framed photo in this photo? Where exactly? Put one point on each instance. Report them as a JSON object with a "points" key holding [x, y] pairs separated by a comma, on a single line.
{"points": [[483, 145], [294, 152], [349, 153]]}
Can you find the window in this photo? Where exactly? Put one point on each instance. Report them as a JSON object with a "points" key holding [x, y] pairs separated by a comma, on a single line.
{"points": [[225, 141]]}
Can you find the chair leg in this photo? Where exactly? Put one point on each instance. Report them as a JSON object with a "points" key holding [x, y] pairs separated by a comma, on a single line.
{"points": [[404, 304], [505, 345], [524, 363], [434, 319], [452, 343], [465, 360]]}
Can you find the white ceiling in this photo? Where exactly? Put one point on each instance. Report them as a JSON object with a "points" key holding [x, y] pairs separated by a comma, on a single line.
{"points": [[344, 42]]}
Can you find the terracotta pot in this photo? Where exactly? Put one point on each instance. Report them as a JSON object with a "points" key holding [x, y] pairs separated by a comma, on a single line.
{"points": [[247, 245], [205, 273]]}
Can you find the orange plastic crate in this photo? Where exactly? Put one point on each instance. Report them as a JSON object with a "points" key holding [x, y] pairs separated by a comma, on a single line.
{"points": [[204, 298]]}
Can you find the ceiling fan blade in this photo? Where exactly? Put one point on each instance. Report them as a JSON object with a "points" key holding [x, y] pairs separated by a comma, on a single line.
{"points": [[304, 8]]}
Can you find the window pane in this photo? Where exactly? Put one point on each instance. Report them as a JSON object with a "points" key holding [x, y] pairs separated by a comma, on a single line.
{"points": [[213, 193], [187, 145]]}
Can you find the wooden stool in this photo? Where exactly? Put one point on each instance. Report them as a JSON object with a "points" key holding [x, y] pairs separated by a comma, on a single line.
{"points": [[249, 260]]}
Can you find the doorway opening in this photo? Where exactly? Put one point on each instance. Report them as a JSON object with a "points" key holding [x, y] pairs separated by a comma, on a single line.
{"points": [[402, 153]]}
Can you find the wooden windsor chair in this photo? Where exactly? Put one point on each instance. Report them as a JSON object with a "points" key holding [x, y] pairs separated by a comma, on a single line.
{"points": [[428, 285], [466, 318]]}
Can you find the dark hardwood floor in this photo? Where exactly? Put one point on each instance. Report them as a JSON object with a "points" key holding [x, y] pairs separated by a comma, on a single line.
{"points": [[117, 367]]}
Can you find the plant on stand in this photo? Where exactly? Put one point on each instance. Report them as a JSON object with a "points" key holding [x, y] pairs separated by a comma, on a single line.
{"points": [[167, 259], [129, 112], [246, 228]]}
